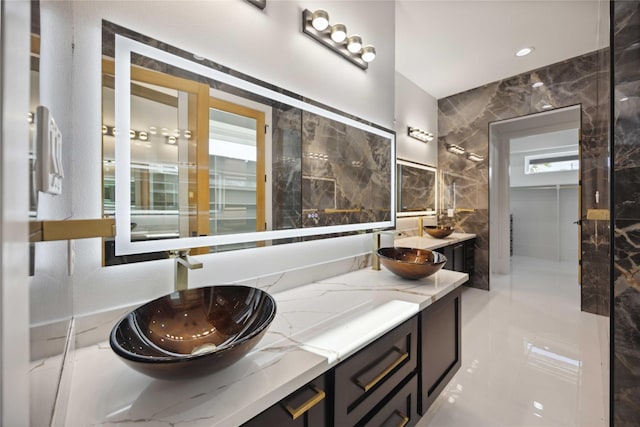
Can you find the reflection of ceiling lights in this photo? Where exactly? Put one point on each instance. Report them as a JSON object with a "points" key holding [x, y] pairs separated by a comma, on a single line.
{"points": [[547, 106], [316, 25], [419, 134], [455, 149], [626, 98], [525, 51], [537, 84], [475, 157]]}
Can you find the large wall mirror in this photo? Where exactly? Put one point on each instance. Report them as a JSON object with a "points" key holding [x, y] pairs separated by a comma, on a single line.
{"points": [[199, 156], [417, 189]]}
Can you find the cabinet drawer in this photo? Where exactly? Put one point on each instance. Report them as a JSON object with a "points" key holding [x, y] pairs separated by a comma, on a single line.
{"points": [[306, 407], [366, 378], [400, 411]]}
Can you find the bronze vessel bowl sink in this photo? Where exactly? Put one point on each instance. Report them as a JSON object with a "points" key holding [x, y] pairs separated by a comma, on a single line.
{"points": [[438, 231], [411, 263], [193, 332]]}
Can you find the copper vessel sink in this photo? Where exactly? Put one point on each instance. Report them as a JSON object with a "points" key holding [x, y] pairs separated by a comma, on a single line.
{"points": [[411, 263], [193, 332], [438, 231]]}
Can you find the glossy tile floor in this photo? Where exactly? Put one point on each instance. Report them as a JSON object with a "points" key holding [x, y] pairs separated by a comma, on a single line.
{"points": [[530, 357]]}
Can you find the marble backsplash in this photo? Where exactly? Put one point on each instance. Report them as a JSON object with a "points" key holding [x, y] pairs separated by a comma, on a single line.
{"points": [[463, 120], [625, 355]]}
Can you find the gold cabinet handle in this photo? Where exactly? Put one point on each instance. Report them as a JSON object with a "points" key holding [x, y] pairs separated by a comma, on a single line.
{"points": [[404, 420], [384, 373], [300, 410]]}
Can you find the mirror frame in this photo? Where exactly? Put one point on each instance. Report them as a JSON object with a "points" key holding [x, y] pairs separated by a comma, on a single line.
{"points": [[124, 47], [401, 162]]}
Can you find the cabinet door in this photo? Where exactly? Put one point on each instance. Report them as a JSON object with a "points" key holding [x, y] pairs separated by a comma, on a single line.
{"points": [[306, 407], [440, 359], [459, 258], [366, 380], [447, 251]]}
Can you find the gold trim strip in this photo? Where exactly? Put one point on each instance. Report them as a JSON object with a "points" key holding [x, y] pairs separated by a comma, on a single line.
{"points": [[71, 229], [300, 410]]}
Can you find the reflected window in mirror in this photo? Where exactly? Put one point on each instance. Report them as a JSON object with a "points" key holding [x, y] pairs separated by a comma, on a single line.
{"points": [[214, 155], [417, 189]]}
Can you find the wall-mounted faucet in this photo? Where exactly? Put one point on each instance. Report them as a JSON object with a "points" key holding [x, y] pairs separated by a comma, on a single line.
{"points": [[183, 264]]}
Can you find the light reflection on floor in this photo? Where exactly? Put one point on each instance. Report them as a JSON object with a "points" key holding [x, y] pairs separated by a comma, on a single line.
{"points": [[530, 357]]}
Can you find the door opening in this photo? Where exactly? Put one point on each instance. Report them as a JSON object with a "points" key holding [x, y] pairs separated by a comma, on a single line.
{"points": [[534, 188]]}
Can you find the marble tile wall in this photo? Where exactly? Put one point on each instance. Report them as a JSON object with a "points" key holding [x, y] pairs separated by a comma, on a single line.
{"points": [[625, 378], [463, 120], [346, 173]]}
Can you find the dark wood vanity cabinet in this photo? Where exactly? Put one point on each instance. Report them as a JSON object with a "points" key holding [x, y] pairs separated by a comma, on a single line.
{"points": [[391, 382], [306, 407], [460, 256], [440, 349], [368, 381]]}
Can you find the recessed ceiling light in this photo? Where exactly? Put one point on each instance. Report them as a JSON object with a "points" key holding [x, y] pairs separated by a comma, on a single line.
{"points": [[524, 51], [626, 98], [537, 84]]}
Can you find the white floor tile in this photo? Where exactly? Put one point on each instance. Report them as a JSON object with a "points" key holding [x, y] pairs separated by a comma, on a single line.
{"points": [[530, 357]]}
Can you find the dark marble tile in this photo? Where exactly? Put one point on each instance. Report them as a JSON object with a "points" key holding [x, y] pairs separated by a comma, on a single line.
{"points": [[463, 120], [625, 357]]}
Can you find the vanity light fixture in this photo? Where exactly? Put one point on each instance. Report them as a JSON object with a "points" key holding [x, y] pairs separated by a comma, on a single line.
{"points": [[419, 134], [316, 25], [455, 149], [475, 157], [525, 51]]}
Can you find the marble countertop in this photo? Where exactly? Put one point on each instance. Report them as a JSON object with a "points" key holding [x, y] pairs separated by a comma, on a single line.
{"points": [[428, 242], [316, 326]]}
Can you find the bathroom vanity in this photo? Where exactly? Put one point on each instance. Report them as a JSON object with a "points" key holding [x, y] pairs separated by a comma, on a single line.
{"points": [[365, 347]]}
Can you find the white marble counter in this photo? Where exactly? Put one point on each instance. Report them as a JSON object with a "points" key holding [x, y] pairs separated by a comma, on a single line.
{"points": [[316, 326], [428, 242]]}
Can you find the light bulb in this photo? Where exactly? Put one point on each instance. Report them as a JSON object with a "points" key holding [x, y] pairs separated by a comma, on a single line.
{"points": [[320, 20], [338, 33], [354, 44], [368, 53]]}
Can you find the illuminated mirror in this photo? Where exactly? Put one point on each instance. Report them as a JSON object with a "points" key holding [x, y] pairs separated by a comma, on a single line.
{"points": [[215, 160], [416, 189]]}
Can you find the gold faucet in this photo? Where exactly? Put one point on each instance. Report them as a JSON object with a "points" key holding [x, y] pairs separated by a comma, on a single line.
{"points": [[420, 226], [184, 263], [375, 261]]}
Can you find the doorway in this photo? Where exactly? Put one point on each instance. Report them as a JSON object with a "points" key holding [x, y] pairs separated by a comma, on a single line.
{"points": [[534, 188]]}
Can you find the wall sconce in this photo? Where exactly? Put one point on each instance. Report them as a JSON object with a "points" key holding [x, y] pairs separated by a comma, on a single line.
{"points": [[475, 157], [419, 134], [455, 149], [316, 25]]}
